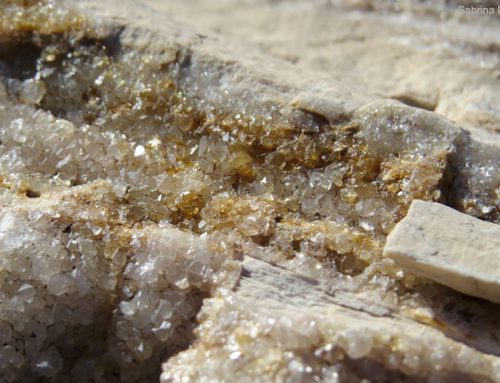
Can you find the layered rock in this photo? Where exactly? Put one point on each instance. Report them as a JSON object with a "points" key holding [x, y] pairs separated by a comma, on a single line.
{"points": [[157, 176], [455, 249]]}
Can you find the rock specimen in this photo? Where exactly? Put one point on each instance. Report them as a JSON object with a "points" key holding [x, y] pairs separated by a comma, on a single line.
{"points": [[455, 249], [179, 202], [278, 325]]}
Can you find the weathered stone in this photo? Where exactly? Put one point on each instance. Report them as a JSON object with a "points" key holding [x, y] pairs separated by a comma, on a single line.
{"points": [[279, 326], [148, 156], [448, 247]]}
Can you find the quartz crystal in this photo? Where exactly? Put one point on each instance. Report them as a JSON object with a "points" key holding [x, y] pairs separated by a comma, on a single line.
{"points": [[181, 200]]}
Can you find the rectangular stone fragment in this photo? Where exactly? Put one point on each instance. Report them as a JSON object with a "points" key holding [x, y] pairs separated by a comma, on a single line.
{"points": [[451, 248]]}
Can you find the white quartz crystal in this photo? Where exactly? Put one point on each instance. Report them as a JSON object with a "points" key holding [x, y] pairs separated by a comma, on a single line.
{"points": [[32, 91]]}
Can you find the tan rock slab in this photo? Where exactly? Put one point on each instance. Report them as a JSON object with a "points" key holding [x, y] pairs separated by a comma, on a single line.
{"points": [[451, 248]]}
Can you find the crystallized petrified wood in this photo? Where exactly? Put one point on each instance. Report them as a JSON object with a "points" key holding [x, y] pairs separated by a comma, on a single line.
{"points": [[183, 200]]}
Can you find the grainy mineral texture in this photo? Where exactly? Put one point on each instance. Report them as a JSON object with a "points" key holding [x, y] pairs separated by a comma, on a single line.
{"points": [[201, 191]]}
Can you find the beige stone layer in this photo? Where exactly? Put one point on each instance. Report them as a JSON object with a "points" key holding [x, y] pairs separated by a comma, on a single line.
{"points": [[448, 247]]}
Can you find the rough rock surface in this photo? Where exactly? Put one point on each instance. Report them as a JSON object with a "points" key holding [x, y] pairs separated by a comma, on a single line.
{"points": [[449, 247], [183, 199], [424, 53], [280, 326]]}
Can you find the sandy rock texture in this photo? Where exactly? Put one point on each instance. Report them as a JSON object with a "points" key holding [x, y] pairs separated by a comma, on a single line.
{"points": [[202, 190], [426, 54], [452, 248]]}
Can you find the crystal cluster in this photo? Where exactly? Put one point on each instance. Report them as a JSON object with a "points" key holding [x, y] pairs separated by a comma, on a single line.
{"points": [[280, 341], [133, 183], [94, 293]]}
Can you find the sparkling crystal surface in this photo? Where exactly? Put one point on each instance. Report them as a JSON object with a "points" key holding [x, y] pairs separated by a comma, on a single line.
{"points": [[167, 210]]}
